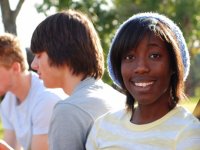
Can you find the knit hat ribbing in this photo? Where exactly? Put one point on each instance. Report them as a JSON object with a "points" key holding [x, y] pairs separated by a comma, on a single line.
{"points": [[175, 29]]}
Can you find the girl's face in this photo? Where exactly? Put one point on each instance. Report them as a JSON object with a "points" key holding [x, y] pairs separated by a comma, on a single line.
{"points": [[146, 71]]}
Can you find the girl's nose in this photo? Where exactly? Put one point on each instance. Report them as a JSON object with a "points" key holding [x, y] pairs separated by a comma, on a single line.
{"points": [[141, 66]]}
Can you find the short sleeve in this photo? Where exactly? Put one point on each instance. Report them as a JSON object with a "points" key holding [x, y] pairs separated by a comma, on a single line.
{"points": [[69, 128], [4, 119], [91, 140], [42, 112], [5, 110], [189, 139]]}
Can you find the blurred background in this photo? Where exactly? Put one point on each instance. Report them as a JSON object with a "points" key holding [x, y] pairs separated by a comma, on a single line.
{"points": [[22, 16]]}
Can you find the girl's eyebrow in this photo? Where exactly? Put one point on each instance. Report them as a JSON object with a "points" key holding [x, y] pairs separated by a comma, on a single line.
{"points": [[155, 44]]}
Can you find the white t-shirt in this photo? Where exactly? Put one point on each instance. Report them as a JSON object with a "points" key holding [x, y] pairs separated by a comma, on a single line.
{"points": [[31, 117], [177, 130]]}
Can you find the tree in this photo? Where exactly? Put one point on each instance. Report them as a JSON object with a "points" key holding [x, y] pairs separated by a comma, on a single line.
{"points": [[9, 16], [107, 18]]}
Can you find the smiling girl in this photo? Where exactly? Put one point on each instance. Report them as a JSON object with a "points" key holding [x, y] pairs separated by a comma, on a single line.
{"points": [[149, 60]]}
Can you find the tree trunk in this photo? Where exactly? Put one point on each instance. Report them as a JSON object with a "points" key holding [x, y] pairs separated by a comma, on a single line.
{"points": [[9, 16]]}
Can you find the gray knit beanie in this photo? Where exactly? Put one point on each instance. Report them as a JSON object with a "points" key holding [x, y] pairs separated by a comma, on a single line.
{"points": [[175, 29]]}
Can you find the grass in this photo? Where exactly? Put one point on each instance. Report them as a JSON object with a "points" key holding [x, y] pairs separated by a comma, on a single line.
{"points": [[1, 130], [190, 104]]}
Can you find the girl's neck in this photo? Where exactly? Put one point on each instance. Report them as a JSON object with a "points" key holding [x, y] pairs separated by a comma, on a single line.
{"points": [[143, 114]]}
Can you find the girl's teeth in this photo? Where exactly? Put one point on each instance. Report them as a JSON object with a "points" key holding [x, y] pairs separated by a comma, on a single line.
{"points": [[143, 84]]}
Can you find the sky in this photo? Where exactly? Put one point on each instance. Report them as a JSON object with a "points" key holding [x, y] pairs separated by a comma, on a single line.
{"points": [[27, 20]]}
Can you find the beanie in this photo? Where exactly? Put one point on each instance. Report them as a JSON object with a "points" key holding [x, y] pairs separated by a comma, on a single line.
{"points": [[175, 29]]}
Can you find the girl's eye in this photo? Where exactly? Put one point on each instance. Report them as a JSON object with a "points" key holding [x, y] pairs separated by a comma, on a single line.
{"points": [[155, 56], [129, 57]]}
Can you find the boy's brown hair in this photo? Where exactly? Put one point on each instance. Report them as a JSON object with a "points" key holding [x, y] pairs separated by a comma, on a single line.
{"points": [[69, 38]]}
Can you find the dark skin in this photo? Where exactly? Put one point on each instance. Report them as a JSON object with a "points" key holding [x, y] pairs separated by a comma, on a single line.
{"points": [[146, 73]]}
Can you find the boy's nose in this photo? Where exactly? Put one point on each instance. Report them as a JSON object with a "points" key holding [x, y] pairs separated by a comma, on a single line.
{"points": [[34, 64]]}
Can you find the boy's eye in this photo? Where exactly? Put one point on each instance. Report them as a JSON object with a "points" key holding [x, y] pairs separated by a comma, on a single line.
{"points": [[37, 55]]}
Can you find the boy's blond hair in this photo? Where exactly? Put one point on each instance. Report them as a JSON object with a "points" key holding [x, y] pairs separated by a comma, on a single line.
{"points": [[11, 51]]}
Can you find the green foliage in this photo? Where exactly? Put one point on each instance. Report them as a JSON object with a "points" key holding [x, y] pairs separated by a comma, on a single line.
{"points": [[184, 12], [1, 98], [108, 14], [197, 92], [194, 77]]}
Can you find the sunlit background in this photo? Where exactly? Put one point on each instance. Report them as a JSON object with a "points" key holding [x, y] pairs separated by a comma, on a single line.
{"points": [[27, 20]]}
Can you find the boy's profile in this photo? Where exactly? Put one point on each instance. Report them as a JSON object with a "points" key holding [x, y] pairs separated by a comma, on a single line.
{"points": [[68, 55], [27, 105]]}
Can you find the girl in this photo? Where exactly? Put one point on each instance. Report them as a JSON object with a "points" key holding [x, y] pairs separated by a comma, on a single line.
{"points": [[149, 60]]}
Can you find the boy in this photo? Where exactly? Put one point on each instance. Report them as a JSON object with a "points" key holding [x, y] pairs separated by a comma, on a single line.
{"points": [[27, 106], [68, 55]]}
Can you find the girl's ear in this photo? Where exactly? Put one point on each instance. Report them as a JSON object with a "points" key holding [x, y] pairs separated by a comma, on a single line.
{"points": [[16, 67]]}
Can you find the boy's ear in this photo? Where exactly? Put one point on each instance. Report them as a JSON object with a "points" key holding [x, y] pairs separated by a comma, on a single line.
{"points": [[16, 67]]}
